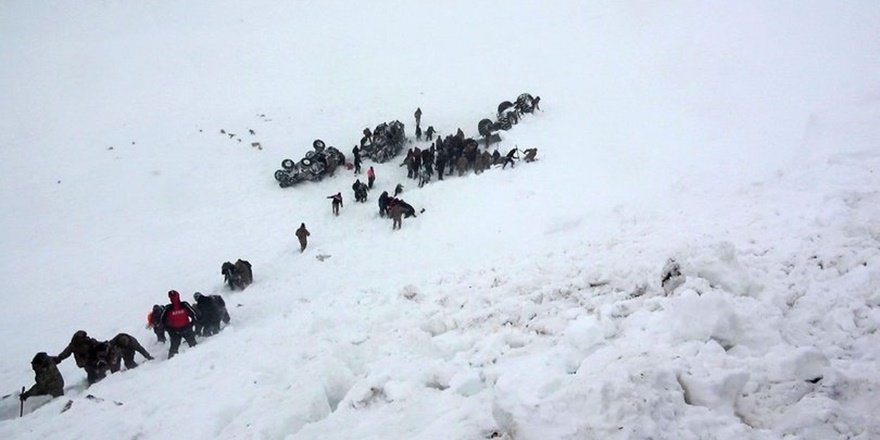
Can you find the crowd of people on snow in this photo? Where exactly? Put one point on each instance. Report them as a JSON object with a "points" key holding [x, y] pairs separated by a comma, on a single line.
{"points": [[453, 154], [179, 320], [182, 321]]}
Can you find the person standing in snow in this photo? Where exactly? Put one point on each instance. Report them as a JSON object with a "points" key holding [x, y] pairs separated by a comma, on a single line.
{"points": [[336, 202], [48, 378], [383, 203], [179, 318], [418, 133], [357, 159], [371, 177], [418, 115], [429, 134], [301, 234]]}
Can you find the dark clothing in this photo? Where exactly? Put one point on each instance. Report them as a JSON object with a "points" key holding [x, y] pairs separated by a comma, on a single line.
{"points": [[429, 134], [176, 335], [383, 203], [80, 347], [301, 235], [212, 311], [337, 202], [357, 159], [156, 322], [126, 346], [47, 377], [238, 275]]}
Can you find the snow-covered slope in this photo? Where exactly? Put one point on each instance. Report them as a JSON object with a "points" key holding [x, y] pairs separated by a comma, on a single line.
{"points": [[739, 139]]}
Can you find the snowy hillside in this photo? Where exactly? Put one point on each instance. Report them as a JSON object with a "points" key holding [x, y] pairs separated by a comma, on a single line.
{"points": [[740, 140]]}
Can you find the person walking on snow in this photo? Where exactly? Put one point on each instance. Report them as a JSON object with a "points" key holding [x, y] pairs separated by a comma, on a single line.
{"points": [[337, 202], [357, 159], [418, 115], [301, 235], [371, 177], [179, 318]]}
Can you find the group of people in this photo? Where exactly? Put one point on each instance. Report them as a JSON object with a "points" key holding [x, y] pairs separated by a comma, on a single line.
{"points": [[93, 356], [183, 321], [178, 319], [457, 154]]}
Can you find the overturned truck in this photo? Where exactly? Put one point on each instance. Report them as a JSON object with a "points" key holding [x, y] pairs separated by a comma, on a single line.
{"points": [[508, 115], [312, 167], [387, 141]]}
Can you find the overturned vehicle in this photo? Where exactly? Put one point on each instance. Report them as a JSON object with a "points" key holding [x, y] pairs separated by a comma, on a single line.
{"points": [[387, 142], [314, 166], [508, 114]]}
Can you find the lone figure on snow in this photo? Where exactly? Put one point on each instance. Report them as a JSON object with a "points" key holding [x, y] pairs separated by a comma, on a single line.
{"points": [[301, 234]]}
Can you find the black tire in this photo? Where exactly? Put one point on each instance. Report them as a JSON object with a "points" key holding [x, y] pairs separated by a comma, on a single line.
{"points": [[504, 123], [310, 154], [288, 164], [306, 162], [484, 127], [318, 144], [280, 176], [504, 106]]}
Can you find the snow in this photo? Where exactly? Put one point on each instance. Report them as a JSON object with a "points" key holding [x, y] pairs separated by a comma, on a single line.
{"points": [[738, 139]]}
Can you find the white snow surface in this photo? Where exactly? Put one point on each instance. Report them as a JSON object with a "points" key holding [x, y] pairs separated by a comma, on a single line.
{"points": [[739, 138]]}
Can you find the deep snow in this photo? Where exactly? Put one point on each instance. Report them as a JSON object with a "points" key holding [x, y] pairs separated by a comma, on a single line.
{"points": [[740, 139]]}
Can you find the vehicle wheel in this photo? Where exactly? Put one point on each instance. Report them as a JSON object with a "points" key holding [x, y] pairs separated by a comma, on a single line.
{"points": [[504, 106], [288, 164], [484, 127], [504, 123], [306, 162], [318, 144], [280, 176]]}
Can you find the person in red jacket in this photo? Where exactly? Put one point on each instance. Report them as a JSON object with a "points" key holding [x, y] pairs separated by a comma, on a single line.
{"points": [[178, 318], [371, 177]]}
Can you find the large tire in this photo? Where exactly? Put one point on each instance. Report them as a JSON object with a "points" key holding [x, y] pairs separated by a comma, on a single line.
{"points": [[504, 123], [288, 164], [504, 106], [318, 145], [306, 162], [280, 176], [484, 127]]}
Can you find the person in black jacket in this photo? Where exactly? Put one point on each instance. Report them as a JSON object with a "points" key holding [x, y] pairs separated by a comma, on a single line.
{"points": [[357, 159], [212, 311], [179, 317], [337, 202], [48, 378], [383, 203]]}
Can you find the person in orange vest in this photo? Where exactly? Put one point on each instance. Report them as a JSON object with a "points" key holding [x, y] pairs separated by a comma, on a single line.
{"points": [[179, 318]]}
